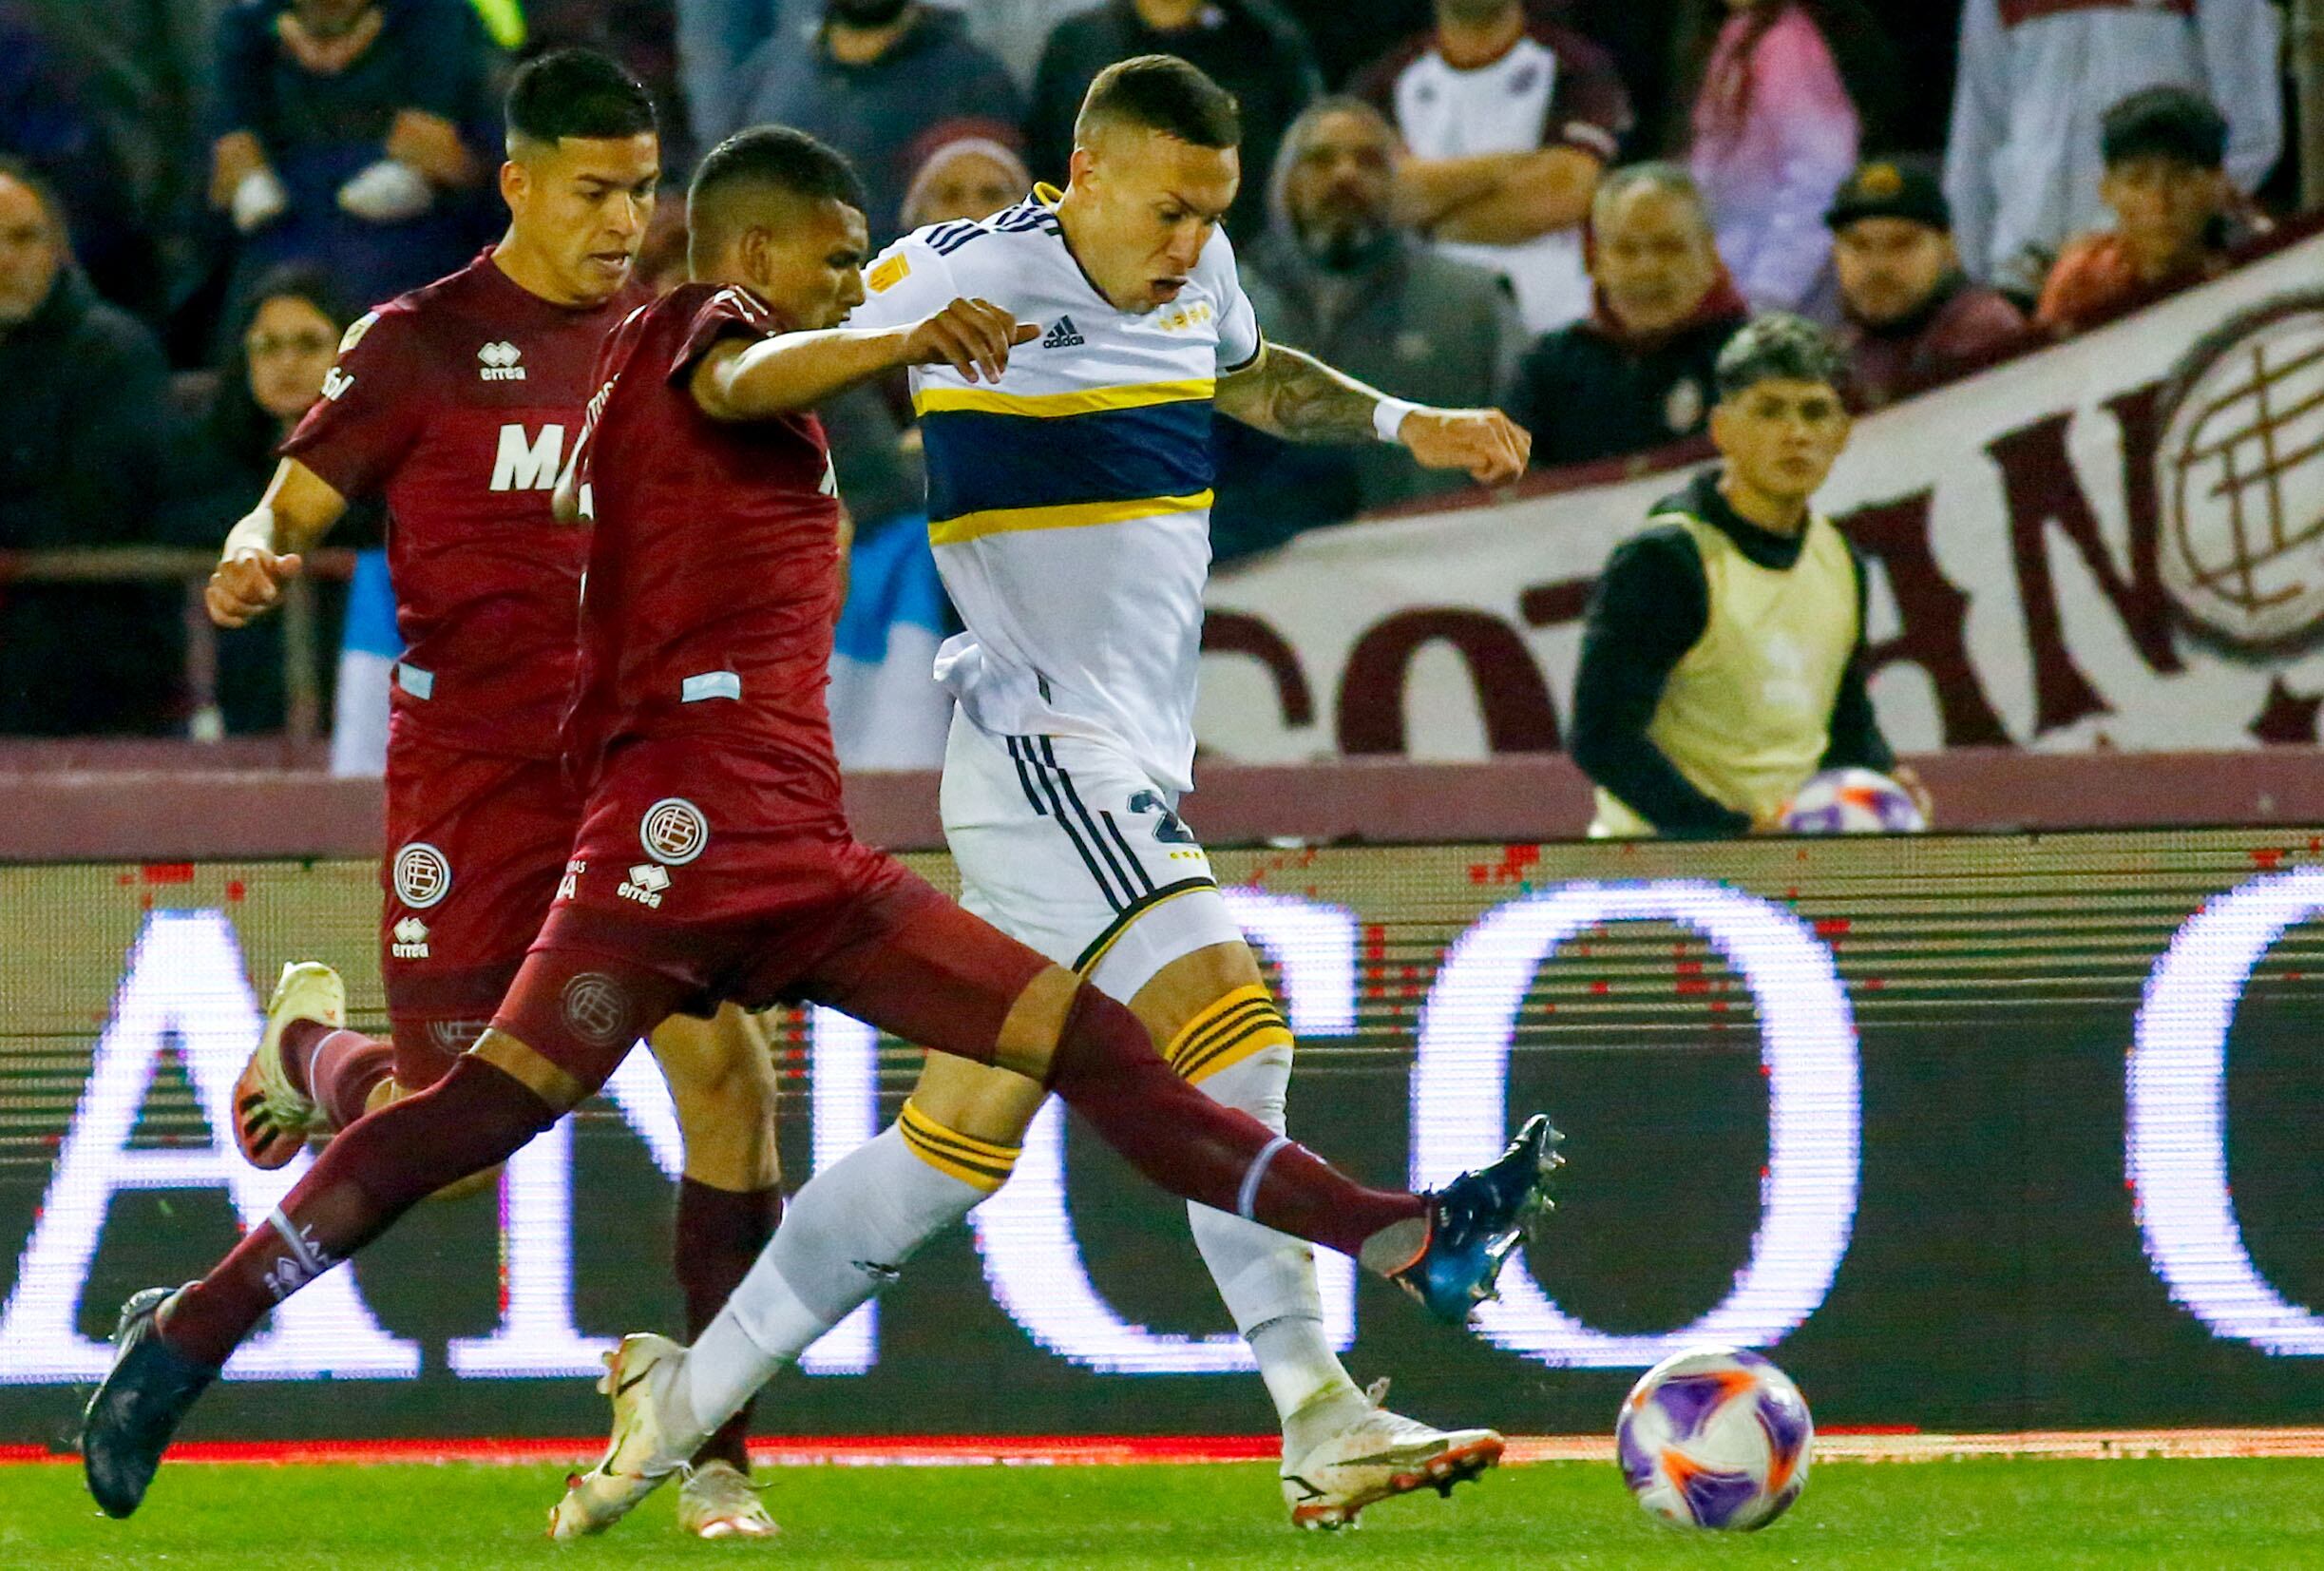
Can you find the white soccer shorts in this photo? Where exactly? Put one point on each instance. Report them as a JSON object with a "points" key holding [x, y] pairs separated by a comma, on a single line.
{"points": [[1066, 844]]}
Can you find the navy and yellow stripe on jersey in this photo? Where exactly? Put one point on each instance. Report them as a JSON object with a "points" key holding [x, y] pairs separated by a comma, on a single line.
{"points": [[1000, 462]]}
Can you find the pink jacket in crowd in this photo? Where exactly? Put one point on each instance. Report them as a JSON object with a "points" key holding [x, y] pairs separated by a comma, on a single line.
{"points": [[1775, 134]]}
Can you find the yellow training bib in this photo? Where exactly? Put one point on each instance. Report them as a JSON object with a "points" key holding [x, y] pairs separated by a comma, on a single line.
{"points": [[1747, 713]]}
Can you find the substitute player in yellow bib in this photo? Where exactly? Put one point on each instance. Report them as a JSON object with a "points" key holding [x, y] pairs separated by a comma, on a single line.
{"points": [[1069, 495], [1723, 660]]}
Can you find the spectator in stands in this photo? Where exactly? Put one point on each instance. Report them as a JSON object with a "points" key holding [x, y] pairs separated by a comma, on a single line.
{"points": [[1911, 315], [224, 454], [1249, 47], [83, 413], [2023, 165], [1510, 121], [1348, 35], [639, 33], [961, 173], [1774, 134], [348, 136], [1722, 655], [49, 118], [2166, 183], [873, 77], [1640, 372], [1334, 274], [713, 36]]}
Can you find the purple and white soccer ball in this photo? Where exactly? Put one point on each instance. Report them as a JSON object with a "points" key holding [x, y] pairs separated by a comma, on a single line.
{"points": [[1714, 1437], [1853, 801]]}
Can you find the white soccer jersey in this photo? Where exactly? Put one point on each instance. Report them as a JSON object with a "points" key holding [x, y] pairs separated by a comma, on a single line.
{"points": [[1070, 504], [1547, 90]]}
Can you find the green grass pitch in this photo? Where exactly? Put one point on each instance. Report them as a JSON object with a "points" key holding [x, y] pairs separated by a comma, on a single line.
{"points": [[1947, 1515]]}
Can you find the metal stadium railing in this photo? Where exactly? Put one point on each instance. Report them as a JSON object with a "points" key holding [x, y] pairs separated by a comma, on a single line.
{"points": [[189, 567]]}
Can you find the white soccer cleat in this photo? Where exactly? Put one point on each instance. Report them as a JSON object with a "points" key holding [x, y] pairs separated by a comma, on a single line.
{"points": [[1379, 1456], [716, 1501], [639, 1376], [271, 1119]]}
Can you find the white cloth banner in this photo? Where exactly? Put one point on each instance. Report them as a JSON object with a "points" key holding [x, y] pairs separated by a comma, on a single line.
{"points": [[2115, 541]]}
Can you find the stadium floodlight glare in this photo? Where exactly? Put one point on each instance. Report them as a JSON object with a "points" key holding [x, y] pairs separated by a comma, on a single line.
{"points": [[183, 988], [2175, 1131], [535, 1338], [1808, 1045], [1031, 1260], [538, 1337], [844, 1106]]}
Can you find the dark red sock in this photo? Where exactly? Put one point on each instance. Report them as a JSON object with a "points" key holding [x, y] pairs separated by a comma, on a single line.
{"points": [[378, 1169], [716, 1240], [335, 1068], [1107, 1070]]}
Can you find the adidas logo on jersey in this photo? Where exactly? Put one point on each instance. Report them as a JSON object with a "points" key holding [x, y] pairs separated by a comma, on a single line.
{"points": [[1063, 335], [497, 362]]}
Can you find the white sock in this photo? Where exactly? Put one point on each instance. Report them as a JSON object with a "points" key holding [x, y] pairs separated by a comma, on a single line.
{"points": [[842, 1240], [1268, 1278]]}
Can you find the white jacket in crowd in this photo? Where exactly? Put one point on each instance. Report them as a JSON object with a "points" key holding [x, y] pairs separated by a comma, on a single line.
{"points": [[2022, 165]]}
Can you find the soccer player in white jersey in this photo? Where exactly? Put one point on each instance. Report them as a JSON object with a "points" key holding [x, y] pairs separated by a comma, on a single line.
{"points": [[1069, 488]]}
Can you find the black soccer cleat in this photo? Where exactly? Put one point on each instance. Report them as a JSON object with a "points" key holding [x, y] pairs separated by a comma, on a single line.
{"points": [[1475, 1220], [145, 1396]]}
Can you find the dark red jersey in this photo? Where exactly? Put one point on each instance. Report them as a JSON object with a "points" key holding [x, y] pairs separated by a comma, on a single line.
{"points": [[712, 560], [458, 403]]}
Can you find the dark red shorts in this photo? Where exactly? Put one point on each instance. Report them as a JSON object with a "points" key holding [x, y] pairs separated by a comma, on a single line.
{"points": [[682, 895], [475, 847]]}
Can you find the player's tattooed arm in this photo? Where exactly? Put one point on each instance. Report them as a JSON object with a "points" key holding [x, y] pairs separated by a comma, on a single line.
{"points": [[1296, 397], [265, 550]]}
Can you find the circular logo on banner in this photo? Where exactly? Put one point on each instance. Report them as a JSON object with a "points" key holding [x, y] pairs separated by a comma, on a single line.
{"points": [[422, 875], [595, 1009], [2240, 476], [674, 831]]}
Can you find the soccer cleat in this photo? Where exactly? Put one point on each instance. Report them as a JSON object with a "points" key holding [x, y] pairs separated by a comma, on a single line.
{"points": [[1379, 1456], [1474, 1221], [716, 1501], [637, 1377], [145, 1395], [272, 1118]]}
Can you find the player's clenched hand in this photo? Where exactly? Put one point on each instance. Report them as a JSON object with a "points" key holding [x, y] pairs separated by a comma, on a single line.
{"points": [[971, 336], [1492, 447], [248, 584]]}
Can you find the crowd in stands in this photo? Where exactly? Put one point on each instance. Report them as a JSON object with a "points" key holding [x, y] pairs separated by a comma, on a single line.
{"points": [[1564, 206]]}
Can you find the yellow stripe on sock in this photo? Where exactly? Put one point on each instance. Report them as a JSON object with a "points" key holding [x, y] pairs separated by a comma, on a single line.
{"points": [[1228, 1054], [1230, 1029], [913, 1115], [980, 1164], [1228, 1006]]}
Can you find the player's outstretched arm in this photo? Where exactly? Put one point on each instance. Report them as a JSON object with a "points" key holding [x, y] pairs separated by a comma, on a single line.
{"points": [[797, 371], [263, 551], [1288, 394]]}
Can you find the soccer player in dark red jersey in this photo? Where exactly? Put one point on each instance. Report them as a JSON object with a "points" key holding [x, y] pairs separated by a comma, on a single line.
{"points": [[458, 403], [713, 862]]}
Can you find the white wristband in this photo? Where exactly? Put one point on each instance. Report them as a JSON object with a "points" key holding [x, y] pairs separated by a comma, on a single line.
{"points": [[1388, 419]]}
